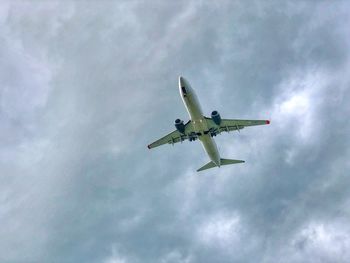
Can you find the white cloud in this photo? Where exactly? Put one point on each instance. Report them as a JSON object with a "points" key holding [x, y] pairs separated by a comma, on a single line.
{"points": [[116, 257], [94, 82], [321, 242], [220, 230], [176, 257], [295, 109]]}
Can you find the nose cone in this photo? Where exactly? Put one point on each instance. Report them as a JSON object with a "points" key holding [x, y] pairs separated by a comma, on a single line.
{"points": [[184, 87], [182, 82]]}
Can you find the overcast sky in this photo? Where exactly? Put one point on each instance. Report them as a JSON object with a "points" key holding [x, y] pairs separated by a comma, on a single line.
{"points": [[86, 85]]}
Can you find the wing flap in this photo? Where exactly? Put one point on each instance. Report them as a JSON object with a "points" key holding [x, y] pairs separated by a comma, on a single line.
{"points": [[174, 137], [170, 138], [233, 124]]}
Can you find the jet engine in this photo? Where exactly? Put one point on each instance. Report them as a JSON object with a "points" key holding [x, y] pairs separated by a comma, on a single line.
{"points": [[216, 117], [179, 125]]}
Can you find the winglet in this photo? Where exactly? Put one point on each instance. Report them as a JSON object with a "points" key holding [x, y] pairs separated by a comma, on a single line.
{"points": [[267, 122]]}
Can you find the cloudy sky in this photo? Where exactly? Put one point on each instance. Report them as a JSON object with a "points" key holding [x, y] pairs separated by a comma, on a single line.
{"points": [[85, 86]]}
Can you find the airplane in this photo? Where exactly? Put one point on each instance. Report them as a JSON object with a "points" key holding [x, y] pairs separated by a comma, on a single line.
{"points": [[203, 128]]}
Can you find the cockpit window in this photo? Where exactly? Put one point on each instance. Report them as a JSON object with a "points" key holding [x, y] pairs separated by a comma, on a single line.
{"points": [[184, 90]]}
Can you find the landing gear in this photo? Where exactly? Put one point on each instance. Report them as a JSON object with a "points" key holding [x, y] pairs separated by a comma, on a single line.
{"points": [[211, 131], [193, 136]]}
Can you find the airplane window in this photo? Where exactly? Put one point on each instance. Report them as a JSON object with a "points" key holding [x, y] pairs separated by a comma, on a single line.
{"points": [[184, 90]]}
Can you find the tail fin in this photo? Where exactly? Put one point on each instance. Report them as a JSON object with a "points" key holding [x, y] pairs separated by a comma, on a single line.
{"points": [[222, 161]]}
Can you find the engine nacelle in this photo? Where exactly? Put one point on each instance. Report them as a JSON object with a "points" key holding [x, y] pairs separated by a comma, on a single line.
{"points": [[216, 117], [179, 125]]}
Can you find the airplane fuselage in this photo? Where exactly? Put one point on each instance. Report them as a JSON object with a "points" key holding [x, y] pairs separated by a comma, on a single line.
{"points": [[198, 121]]}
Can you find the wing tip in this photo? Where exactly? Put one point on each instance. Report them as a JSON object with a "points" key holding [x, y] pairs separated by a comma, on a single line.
{"points": [[267, 122]]}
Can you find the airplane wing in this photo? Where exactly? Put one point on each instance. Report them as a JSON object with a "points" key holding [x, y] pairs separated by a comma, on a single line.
{"points": [[233, 124], [176, 136]]}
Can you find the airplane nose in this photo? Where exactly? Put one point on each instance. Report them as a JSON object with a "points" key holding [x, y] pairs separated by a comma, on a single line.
{"points": [[181, 81]]}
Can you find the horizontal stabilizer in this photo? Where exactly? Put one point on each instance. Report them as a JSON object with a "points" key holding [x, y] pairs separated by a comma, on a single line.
{"points": [[207, 166], [222, 161], [229, 161]]}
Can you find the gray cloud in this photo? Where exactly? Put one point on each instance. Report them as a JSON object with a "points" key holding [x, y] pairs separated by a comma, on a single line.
{"points": [[86, 85]]}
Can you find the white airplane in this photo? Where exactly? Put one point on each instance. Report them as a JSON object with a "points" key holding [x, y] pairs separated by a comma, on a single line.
{"points": [[203, 128]]}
